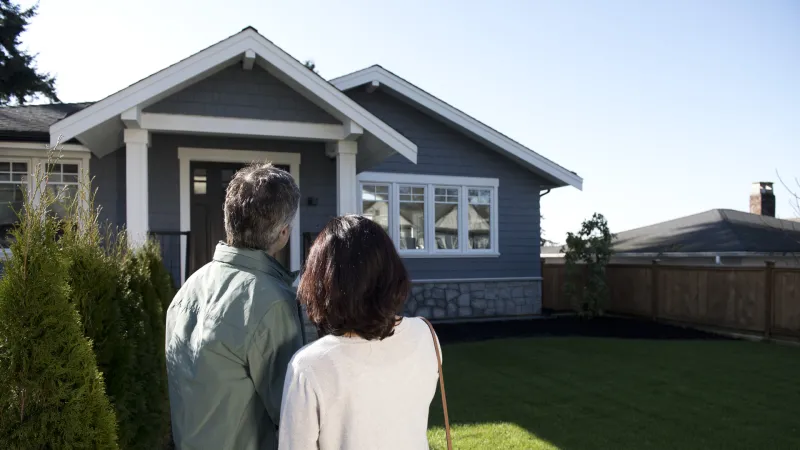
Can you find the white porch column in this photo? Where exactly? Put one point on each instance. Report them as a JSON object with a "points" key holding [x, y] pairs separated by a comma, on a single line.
{"points": [[137, 211], [346, 181]]}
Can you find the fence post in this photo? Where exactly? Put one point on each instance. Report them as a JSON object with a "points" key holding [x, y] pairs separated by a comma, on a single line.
{"points": [[769, 298], [654, 300], [541, 274]]}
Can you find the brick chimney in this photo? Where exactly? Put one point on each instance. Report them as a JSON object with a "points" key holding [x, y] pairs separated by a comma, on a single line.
{"points": [[762, 199]]}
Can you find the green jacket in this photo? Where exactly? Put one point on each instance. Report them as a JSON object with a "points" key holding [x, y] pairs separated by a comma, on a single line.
{"points": [[231, 331]]}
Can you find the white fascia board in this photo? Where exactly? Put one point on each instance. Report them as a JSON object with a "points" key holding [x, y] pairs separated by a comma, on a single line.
{"points": [[42, 146], [380, 75], [413, 178], [179, 123]]}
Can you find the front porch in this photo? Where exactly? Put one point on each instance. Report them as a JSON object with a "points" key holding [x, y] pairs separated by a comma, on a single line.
{"points": [[177, 182], [186, 173]]}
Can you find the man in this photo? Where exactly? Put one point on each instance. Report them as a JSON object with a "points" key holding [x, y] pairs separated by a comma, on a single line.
{"points": [[233, 326]]}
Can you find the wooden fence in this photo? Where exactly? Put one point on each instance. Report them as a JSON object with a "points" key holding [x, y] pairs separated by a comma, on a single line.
{"points": [[750, 299]]}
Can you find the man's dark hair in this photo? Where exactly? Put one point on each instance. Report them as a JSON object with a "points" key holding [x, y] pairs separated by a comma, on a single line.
{"points": [[354, 280], [260, 201]]}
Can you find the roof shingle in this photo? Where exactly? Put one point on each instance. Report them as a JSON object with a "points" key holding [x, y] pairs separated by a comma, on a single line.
{"points": [[717, 230], [32, 122]]}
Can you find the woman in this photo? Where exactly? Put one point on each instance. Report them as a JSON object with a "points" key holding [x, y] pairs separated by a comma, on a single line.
{"points": [[369, 381]]}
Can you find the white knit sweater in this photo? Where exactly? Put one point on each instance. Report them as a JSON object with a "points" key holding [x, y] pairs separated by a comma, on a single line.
{"points": [[347, 393]]}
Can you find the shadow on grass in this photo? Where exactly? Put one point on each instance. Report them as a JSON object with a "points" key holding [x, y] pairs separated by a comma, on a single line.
{"points": [[580, 393]]}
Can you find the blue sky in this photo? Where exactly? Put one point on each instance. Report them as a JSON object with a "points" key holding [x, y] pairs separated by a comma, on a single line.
{"points": [[664, 108]]}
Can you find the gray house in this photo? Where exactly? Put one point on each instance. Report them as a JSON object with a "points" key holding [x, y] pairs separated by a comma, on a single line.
{"points": [[460, 199]]}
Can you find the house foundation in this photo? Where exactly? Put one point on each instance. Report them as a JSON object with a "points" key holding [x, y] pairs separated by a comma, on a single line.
{"points": [[465, 300]]}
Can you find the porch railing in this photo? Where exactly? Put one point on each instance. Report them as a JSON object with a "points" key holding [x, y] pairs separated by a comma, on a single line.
{"points": [[170, 243]]}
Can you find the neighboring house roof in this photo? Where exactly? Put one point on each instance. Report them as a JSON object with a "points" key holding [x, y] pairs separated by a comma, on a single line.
{"points": [[714, 231], [32, 122], [558, 175], [552, 249], [250, 45]]}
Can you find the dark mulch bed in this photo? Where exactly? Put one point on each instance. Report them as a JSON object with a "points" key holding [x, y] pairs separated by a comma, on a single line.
{"points": [[606, 327]]}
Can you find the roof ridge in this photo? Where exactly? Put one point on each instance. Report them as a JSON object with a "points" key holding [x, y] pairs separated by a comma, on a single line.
{"points": [[668, 220], [731, 227]]}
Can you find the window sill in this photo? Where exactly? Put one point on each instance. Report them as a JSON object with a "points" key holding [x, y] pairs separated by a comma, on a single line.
{"points": [[414, 255]]}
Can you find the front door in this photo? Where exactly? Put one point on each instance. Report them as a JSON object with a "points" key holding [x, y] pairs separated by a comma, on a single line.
{"points": [[209, 183]]}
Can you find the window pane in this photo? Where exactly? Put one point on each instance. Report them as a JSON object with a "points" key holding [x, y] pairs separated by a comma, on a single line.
{"points": [[65, 194], [200, 188], [446, 218], [446, 195], [199, 182], [375, 204], [480, 227], [412, 226], [446, 226], [480, 196], [480, 215], [13, 183], [412, 217], [11, 202], [71, 168]]}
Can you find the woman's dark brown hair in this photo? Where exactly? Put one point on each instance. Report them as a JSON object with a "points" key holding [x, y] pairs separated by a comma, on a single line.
{"points": [[354, 280]]}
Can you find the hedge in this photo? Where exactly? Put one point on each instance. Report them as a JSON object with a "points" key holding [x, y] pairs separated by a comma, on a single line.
{"points": [[52, 394], [119, 294], [81, 315]]}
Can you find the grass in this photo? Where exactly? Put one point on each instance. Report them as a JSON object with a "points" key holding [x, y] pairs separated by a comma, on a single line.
{"points": [[589, 393]]}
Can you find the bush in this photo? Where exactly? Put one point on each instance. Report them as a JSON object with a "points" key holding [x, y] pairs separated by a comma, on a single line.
{"points": [[145, 317], [52, 394], [119, 294], [587, 254]]}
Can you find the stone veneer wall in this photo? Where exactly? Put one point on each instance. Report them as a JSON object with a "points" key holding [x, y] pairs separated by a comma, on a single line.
{"points": [[475, 299], [484, 299]]}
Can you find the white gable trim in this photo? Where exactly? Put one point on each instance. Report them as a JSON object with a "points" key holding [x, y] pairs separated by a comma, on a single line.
{"points": [[217, 57], [176, 123], [376, 76]]}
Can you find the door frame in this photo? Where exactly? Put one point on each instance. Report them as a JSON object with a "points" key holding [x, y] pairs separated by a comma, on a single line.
{"points": [[188, 154]]}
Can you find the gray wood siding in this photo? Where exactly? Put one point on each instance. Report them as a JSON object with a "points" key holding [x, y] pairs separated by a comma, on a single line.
{"points": [[442, 150], [249, 94], [108, 181]]}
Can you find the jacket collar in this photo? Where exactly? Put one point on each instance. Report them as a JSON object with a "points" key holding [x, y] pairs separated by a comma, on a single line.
{"points": [[254, 260]]}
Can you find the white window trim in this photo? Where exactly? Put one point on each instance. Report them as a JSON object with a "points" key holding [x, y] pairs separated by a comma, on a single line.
{"points": [[394, 180], [36, 154], [188, 154]]}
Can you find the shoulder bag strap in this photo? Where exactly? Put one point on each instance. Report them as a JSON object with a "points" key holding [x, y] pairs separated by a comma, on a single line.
{"points": [[441, 385]]}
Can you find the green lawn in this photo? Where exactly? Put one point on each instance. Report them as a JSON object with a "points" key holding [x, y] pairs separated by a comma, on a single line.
{"points": [[584, 393]]}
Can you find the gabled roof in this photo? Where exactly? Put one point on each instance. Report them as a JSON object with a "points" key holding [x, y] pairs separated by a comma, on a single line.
{"points": [[32, 122], [714, 231], [551, 171], [98, 124]]}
